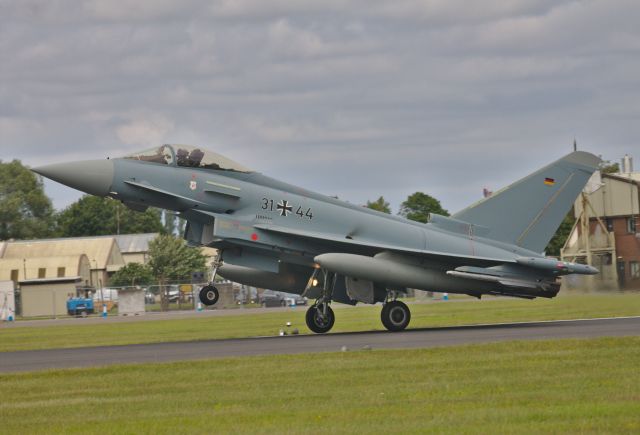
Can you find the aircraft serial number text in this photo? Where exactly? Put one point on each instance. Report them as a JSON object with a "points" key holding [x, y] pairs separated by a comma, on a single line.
{"points": [[284, 208]]}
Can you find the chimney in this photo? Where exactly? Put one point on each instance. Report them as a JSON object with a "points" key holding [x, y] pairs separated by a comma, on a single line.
{"points": [[627, 164]]}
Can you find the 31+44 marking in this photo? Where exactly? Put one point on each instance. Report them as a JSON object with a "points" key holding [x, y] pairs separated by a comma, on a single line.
{"points": [[284, 208]]}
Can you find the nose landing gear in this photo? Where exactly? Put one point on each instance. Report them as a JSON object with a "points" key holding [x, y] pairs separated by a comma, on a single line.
{"points": [[209, 294], [320, 317]]}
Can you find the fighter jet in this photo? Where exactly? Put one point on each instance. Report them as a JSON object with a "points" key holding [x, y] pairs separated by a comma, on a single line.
{"points": [[274, 235]]}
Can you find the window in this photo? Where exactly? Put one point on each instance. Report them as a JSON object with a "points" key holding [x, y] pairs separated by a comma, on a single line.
{"points": [[61, 271], [162, 154], [42, 272], [634, 269], [14, 275], [193, 157], [609, 223], [631, 225]]}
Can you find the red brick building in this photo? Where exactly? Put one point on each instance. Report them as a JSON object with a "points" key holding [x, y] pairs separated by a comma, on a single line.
{"points": [[610, 209]]}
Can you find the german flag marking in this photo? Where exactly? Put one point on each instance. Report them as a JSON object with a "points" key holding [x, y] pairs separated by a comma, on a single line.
{"points": [[549, 181]]}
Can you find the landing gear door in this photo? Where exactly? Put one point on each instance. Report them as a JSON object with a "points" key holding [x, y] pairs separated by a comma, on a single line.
{"points": [[197, 234], [360, 290]]}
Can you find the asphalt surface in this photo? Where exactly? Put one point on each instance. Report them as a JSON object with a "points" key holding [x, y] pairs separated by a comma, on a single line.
{"points": [[292, 344]]}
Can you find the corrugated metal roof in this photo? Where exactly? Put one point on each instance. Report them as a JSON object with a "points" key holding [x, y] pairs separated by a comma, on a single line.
{"points": [[101, 251], [130, 243]]}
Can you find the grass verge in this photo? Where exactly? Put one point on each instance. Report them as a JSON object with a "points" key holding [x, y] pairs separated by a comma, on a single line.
{"points": [[352, 319], [563, 386]]}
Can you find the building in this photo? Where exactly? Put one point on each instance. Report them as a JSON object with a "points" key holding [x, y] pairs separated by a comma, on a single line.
{"points": [[607, 230], [48, 271], [33, 268], [46, 282], [103, 253], [135, 247]]}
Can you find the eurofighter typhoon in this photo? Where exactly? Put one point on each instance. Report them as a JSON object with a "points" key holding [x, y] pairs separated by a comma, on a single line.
{"points": [[274, 235]]}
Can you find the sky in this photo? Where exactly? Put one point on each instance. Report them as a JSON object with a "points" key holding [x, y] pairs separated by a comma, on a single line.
{"points": [[350, 98]]}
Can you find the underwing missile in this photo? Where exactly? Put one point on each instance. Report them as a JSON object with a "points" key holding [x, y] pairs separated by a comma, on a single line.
{"points": [[559, 267]]}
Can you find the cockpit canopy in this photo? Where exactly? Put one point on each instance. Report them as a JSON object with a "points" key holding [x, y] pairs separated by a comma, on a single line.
{"points": [[187, 156]]}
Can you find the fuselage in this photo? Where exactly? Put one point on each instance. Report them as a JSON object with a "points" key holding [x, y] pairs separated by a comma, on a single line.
{"points": [[227, 209], [254, 199]]}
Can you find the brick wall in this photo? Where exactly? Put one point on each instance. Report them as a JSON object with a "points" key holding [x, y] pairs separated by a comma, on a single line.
{"points": [[627, 247]]}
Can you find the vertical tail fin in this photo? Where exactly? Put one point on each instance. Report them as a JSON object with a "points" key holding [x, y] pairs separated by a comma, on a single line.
{"points": [[528, 212]]}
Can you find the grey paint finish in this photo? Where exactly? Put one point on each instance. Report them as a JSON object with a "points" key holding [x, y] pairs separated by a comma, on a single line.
{"points": [[414, 338], [261, 223], [93, 176]]}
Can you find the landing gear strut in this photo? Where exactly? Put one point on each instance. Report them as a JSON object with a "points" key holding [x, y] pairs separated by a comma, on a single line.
{"points": [[395, 315], [320, 317], [209, 294]]}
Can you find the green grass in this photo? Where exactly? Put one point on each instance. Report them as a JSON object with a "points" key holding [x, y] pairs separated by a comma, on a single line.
{"points": [[564, 386], [348, 319]]}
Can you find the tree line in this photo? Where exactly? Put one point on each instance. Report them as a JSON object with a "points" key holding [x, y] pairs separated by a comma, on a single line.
{"points": [[417, 207]]}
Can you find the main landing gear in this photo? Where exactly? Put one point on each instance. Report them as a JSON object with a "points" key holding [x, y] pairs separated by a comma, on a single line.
{"points": [[395, 315], [209, 294]]}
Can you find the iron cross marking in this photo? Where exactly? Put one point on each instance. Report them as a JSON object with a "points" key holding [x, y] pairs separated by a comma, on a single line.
{"points": [[284, 208]]}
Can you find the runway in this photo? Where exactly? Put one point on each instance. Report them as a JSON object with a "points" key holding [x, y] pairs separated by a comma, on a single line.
{"points": [[292, 344]]}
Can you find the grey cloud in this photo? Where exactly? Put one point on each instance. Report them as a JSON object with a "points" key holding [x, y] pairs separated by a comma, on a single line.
{"points": [[352, 98]]}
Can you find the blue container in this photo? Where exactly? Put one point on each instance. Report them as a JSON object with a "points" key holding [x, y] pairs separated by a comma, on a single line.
{"points": [[80, 306]]}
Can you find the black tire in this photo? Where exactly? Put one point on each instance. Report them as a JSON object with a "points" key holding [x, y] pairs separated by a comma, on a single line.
{"points": [[395, 316], [209, 295], [316, 323]]}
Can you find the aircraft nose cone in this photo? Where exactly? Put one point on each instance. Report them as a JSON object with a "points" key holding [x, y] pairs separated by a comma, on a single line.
{"points": [[91, 176]]}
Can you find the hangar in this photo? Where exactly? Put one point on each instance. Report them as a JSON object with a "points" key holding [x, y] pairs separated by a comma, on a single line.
{"points": [[103, 253], [135, 247]]}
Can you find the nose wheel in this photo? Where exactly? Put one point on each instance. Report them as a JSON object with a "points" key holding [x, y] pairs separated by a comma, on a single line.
{"points": [[320, 318], [209, 295], [395, 316]]}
